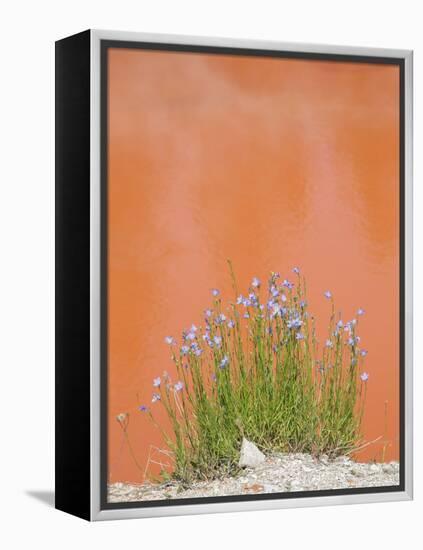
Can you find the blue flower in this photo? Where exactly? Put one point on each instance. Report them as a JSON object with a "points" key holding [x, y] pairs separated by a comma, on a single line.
{"points": [[363, 352], [328, 294], [208, 312], [364, 376], [193, 328], [340, 324], [190, 336], [217, 340], [215, 292], [253, 298], [220, 319], [184, 350], [246, 315], [287, 284], [240, 299], [156, 397], [196, 349], [296, 270], [276, 309], [224, 362], [206, 338], [231, 324], [274, 276], [157, 382], [299, 336], [302, 304], [329, 344], [255, 282], [178, 386], [360, 312], [170, 340], [350, 324], [274, 291], [143, 408], [294, 323]]}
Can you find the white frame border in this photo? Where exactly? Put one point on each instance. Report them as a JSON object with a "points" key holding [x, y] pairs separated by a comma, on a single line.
{"points": [[207, 508]]}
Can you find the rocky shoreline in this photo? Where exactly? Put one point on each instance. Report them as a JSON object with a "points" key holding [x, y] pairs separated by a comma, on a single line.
{"points": [[279, 473]]}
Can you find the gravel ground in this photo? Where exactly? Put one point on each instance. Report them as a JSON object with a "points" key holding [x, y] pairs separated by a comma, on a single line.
{"points": [[278, 474]]}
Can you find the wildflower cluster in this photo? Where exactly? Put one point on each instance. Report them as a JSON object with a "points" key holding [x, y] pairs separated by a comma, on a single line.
{"points": [[256, 369]]}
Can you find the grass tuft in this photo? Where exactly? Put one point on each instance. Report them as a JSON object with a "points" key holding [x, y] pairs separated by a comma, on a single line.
{"points": [[255, 369]]}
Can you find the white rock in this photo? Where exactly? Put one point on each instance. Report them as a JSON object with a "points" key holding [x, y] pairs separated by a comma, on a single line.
{"points": [[389, 468], [250, 456]]}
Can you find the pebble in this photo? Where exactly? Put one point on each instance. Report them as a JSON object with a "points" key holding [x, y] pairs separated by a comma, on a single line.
{"points": [[278, 473]]}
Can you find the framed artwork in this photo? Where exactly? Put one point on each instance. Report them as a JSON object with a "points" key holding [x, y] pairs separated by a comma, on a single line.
{"points": [[233, 275]]}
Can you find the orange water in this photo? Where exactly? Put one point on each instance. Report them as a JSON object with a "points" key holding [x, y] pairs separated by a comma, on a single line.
{"points": [[273, 163]]}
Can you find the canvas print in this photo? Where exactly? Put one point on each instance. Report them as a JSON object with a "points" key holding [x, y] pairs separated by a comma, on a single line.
{"points": [[252, 346]]}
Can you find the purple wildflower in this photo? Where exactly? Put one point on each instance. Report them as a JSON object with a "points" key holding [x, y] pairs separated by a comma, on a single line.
{"points": [[156, 397], [178, 386], [157, 382], [299, 336], [143, 408], [255, 282], [363, 352], [217, 340], [253, 298], [231, 323], [328, 294], [224, 362], [220, 319], [329, 343], [246, 315], [208, 312], [170, 340], [353, 341], [295, 322], [296, 270], [287, 284], [361, 311], [215, 292], [196, 349], [240, 299], [303, 304], [364, 376], [276, 309], [184, 350]]}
